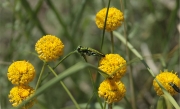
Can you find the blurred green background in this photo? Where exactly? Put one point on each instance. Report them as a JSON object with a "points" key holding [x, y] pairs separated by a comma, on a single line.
{"points": [[152, 27]]}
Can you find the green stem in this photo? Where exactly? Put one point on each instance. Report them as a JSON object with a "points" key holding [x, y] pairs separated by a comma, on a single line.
{"points": [[51, 69], [129, 58], [151, 6], [40, 76], [163, 62], [105, 105], [94, 85], [128, 103], [105, 24], [65, 58], [89, 100], [65, 88], [110, 106], [98, 99], [112, 42], [59, 63]]}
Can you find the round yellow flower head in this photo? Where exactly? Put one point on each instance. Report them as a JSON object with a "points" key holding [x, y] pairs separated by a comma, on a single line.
{"points": [[19, 93], [167, 79], [114, 19], [21, 72], [111, 90], [113, 64], [49, 48]]}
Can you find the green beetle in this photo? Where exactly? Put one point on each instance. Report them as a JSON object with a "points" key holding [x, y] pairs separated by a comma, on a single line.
{"points": [[89, 51]]}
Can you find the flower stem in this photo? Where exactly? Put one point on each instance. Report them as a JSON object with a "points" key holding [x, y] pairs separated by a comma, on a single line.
{"points": [[129, 58], [129, 104], [59, 63], [112, 42], [110, 106], [40, 76], [93, 83], [65, 58], [65, 88], [105, 24], [105, 105]]}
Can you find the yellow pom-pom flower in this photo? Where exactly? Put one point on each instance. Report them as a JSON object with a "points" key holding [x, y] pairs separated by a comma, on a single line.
{"points": [[49, 48], [21, 72], [113, 64], [114, 19], [167, 79], [111, 90], [19, 93]]}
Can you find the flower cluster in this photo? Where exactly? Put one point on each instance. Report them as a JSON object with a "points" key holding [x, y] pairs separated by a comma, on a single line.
{"points": [[113, 64], [170, 82], [49, 48], [114, 19], [19, 94], [112, 89], [20, 73]]}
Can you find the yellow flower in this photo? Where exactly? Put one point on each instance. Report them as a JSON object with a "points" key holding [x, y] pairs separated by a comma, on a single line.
{"points": [[113, 64], [166, 78], [111, 90], [114, 19], [49, 48], [21, 72], [19, 93]]}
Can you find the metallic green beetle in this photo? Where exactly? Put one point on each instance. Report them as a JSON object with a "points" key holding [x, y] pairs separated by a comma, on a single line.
{"points": [[89, 51]]}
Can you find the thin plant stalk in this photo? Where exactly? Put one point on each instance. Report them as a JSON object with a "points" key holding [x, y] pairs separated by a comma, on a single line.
{"points": [[94, 86], [104, 105], [65, 88], [112, 42], [129, 58], [90, 100], [40, 76], [105, 24], [110, 106], [64, 58], [128, 103], [59, 63]]}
